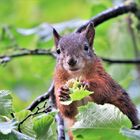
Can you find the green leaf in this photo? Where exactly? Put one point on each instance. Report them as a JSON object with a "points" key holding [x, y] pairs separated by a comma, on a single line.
{"points": [[79, 94], [21, 136], [8, 132], [42, 127], [7, 127], [97, 134], [15, 135], [27, 126], [99, 121], [5, 102], [22, 114], [77, 91], [131, 133], [9, 136]]}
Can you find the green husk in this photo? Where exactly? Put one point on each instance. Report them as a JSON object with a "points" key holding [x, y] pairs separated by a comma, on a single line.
{"points": [[77, 91]]}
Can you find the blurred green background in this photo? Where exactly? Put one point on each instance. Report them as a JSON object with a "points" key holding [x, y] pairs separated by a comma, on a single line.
{"points": [[30, 76]]}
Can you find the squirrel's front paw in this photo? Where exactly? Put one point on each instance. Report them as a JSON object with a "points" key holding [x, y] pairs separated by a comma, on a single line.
{"points": [[64, 93]]}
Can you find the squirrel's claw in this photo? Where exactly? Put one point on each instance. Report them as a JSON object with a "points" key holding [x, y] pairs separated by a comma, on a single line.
{"points": [[136, 127], [85, 84], [64, 88], [64, 93]]}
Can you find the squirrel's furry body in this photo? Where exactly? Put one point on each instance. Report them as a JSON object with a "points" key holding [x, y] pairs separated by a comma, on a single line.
{"points": [[74, 61], [106, 90]]}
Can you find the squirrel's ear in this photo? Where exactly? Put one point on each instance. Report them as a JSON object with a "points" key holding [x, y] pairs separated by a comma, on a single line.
{"points": [[89, 33], [56, 37]]}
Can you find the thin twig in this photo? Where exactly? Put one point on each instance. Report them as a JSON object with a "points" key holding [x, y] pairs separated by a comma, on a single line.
{"points": [[6, 30], [134, 41], [27, 52], [41, 98], [20, 123], [123, 61], [39, 110]]}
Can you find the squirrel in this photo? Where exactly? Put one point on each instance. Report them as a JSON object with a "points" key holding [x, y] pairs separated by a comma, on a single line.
{"points": [[76, 58]]}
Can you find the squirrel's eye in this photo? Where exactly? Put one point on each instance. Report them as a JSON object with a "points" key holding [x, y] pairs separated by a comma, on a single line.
{"points": [[58, 51], [86, 48]]}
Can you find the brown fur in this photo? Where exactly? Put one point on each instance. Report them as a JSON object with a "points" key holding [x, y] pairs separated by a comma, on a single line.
{"points": [[106, 90]]}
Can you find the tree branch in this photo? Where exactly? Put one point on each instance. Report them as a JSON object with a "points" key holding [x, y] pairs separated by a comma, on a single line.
{"points": [[26, 52], [39, 110], [117, 61], [41, 98], [97, 20], [60, 127], [109, 14]]}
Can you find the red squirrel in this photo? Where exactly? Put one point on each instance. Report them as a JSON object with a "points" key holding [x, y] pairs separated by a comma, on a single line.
{"points": [[76, 58]]}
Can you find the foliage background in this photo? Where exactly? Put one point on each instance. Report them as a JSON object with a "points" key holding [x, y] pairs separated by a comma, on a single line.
{"points": [[28, 77]]}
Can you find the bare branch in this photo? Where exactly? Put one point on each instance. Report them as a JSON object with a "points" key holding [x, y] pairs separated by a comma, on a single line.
{"points": [[97, 20], [41, 98], [110, 13], [39, 110], [117, 61], [26, 52], [41, 52]]}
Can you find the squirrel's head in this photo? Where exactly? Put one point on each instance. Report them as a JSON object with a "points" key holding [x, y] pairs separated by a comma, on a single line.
{"points": [[74, 51]]}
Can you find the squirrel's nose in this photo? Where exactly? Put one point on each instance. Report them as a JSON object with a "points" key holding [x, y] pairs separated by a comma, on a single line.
{"points": [[72, 62]]}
